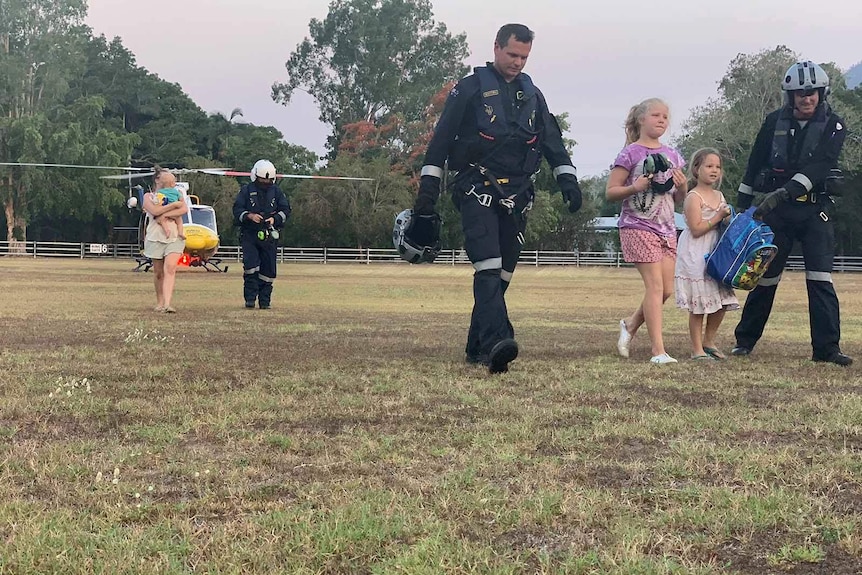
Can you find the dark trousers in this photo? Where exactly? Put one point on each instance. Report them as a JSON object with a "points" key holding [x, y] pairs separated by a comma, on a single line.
{"points": [[814, 230], [258, 268], [493, 240]]}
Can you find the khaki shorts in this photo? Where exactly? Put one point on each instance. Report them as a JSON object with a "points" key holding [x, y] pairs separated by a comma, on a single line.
{"points": [[160, 250]]}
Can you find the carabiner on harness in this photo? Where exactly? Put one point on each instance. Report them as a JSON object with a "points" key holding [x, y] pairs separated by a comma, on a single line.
{"points": [[484, 199]]}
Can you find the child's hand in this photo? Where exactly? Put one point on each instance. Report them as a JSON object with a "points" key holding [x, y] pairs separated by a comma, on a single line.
{"points": [[724, 209], [680, 181], [641, 184]]}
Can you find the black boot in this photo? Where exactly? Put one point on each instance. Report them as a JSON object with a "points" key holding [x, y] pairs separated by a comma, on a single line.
{"points": [[265, 295], [835, 357], [503, 352]]}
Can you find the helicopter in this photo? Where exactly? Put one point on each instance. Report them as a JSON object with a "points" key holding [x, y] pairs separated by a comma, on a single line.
{"points": [[199, 223]]}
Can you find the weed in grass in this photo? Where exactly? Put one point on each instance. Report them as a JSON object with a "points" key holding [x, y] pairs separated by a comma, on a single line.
{"points": [[789, 555], [67, 387]]}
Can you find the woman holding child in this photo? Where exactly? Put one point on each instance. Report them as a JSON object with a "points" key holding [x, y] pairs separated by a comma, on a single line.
{"points": [[163, 242]]}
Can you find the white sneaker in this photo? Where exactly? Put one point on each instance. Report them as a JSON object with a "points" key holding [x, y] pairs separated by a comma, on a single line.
{"points": [[662, 359], [624, 340]]}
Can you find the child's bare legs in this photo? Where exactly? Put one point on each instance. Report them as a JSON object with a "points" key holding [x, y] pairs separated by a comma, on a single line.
{"points": [[180, 233], [695, 331], [166, 226], [713, 321], [658, 284]]}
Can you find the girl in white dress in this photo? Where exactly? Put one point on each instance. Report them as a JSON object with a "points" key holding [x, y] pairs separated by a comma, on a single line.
{"points": [[705, 208]]}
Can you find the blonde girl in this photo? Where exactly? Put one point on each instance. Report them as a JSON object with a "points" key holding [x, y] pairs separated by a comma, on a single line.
{"points": [[647, 178]]}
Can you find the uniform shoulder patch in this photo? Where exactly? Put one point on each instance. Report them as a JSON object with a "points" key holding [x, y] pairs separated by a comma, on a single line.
{"points": [[454, 92]]}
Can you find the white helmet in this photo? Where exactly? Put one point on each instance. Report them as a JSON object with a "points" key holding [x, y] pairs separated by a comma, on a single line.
{"points": [[263, 169], [417, 238], [805, 75]]}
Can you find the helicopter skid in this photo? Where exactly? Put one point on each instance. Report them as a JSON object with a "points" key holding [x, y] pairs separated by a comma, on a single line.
{"points": [[212, 265], [144, 264]]}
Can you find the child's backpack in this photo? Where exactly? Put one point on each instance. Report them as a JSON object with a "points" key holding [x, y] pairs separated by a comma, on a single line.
{"points": [[743, 252]]}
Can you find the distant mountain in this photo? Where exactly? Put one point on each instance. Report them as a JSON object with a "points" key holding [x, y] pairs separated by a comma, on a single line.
{"points": [[854, 76]]}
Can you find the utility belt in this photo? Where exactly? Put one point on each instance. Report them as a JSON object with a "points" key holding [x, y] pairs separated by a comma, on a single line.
{"points": [[487, 188], [263, 234], [770, 180], [811, 198]]}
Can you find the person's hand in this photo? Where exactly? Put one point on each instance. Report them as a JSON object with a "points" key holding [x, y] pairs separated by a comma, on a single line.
{"points": [[770, 202], [641, 184], [724, 209], [270, 221], [680, 181], [571, 191], [256, 218]]}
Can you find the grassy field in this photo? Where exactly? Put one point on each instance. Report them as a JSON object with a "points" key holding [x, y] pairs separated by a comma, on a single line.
{"points": [[341, 432]]}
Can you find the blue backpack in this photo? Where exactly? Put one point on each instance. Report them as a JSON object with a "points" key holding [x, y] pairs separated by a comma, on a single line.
{"points": [[742, 253]]}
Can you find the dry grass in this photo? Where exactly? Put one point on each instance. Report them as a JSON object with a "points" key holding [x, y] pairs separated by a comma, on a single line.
{"points": [[340, 431]]}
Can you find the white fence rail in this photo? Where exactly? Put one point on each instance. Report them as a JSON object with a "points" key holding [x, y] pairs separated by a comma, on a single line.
{"points": [[355, 255]]}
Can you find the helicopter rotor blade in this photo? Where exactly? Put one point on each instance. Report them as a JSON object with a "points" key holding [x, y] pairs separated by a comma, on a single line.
{"points": [[129, 177], [37, 165], [223, 172]]}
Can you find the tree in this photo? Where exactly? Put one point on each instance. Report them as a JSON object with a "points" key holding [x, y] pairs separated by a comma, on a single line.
{"points": [[747, 93], [354, 213], [370, 59], [750, 89], [41, 53]]}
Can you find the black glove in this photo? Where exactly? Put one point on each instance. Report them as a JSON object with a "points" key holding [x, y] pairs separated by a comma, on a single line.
{"points": [[571, 191], [770, 202], [835, 182], [429, 189]]}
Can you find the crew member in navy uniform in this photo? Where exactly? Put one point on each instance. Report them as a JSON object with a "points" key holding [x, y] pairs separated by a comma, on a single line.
{"points": [[494, 130], [261, 210], [794, 160]]}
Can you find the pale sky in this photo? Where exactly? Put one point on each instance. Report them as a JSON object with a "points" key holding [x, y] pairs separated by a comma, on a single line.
{"points": [[593, 60]]}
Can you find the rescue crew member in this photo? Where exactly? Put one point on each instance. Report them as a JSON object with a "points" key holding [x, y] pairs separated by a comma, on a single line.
{"points": [[261, 210], [793, 157], [494, 130]]}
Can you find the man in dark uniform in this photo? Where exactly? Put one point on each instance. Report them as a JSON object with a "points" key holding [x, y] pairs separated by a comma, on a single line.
{"points": [[793, 156], [494, 130], [261, 210]]}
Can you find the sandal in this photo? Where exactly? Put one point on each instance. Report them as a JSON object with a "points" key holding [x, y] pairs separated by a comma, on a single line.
{"points": [[705, 356], [169, 309], [714, 353]]}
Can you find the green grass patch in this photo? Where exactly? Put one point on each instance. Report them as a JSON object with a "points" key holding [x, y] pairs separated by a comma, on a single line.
{"points": [[342, 432]]}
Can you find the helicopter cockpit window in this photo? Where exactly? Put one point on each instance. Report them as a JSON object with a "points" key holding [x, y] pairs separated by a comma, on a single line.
{"points": [[203, 217]]}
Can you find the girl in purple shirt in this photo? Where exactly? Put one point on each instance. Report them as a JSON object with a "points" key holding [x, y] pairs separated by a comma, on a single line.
{"points": [[647, 176]]}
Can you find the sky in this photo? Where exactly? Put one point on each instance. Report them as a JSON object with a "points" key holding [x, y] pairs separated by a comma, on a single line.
{"points": [[592, 60]]}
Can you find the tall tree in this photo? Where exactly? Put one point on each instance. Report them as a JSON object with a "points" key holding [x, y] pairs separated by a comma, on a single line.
{"points": [[369, 59], [354, 213], [42, 46], [751, 89]]}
